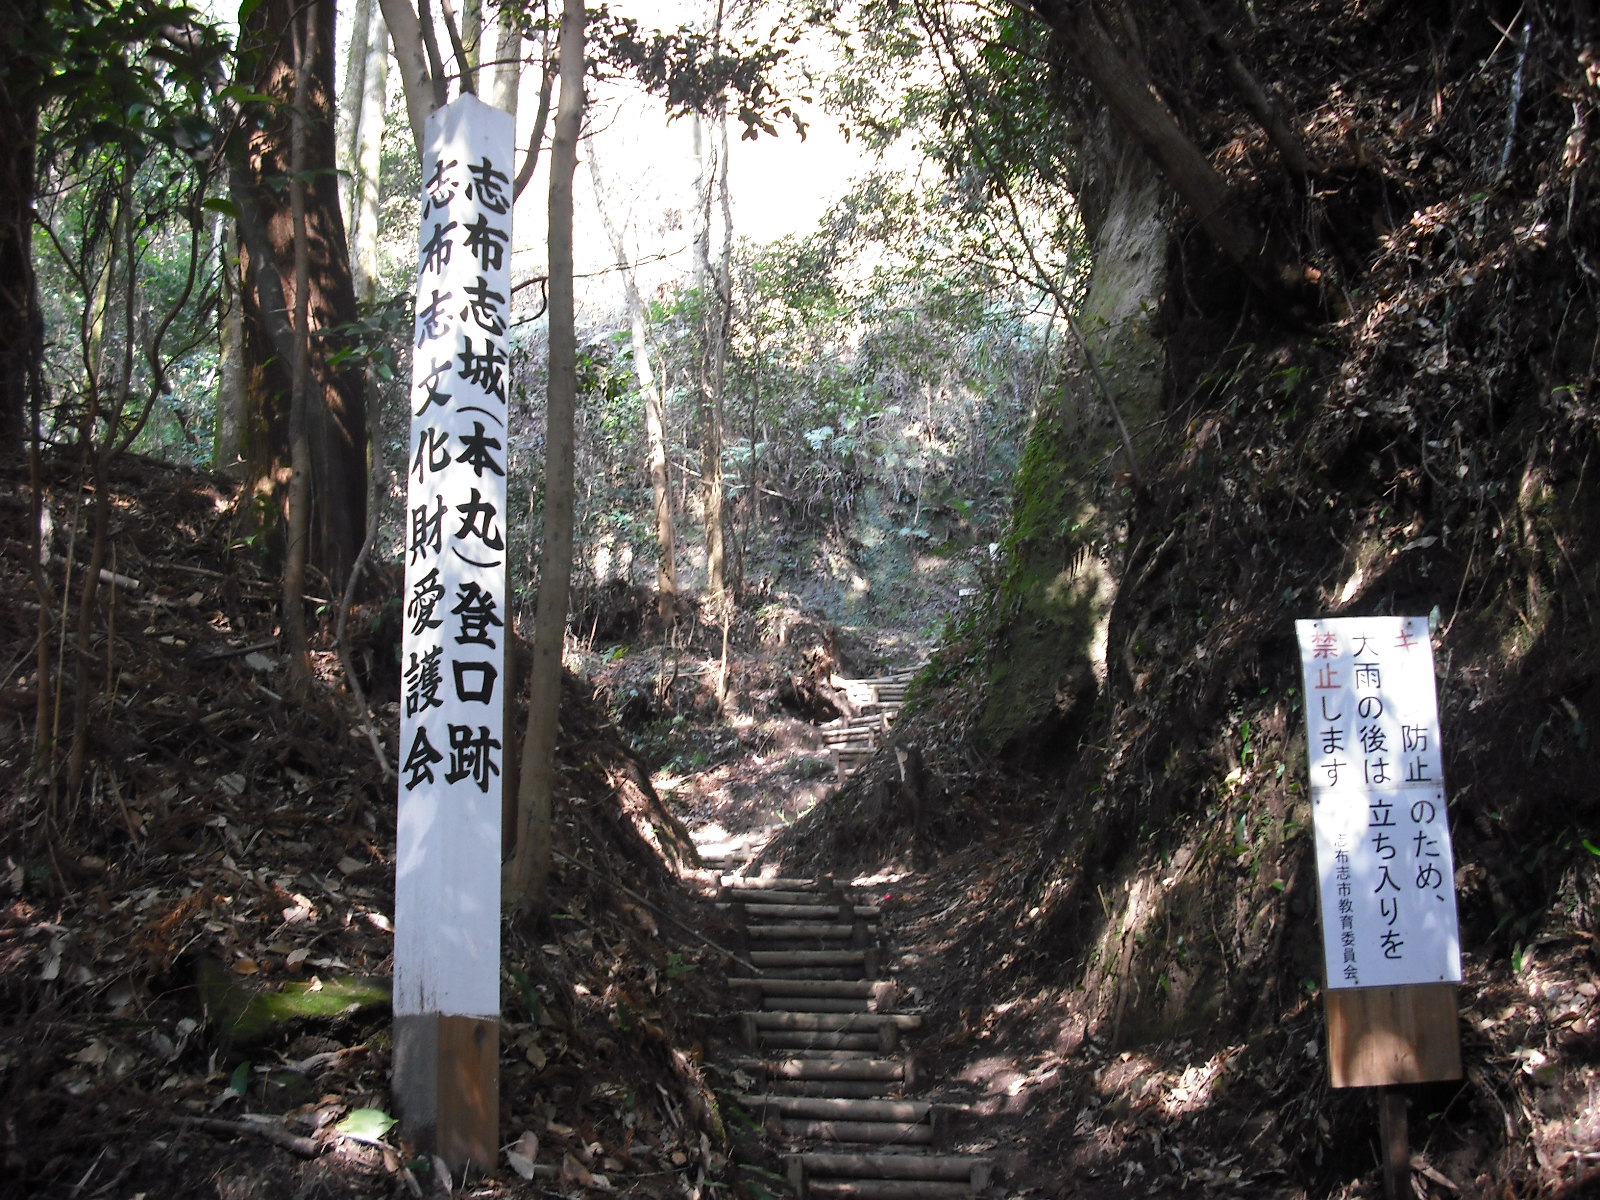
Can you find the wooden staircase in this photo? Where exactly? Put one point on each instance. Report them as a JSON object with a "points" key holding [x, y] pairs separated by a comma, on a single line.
{"points": [[824, 1043], [853, 740]]}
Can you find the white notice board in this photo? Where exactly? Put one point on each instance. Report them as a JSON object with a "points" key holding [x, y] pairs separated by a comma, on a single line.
{"points": [[1385, 871], [452, 740]]}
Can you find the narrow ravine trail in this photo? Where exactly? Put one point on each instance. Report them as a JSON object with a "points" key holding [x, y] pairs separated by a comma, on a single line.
{"points": [[824, 1048]]}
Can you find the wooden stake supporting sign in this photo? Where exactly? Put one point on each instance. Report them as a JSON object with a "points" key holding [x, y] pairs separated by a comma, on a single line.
{"points": [[447, 885], [1385, 870]]}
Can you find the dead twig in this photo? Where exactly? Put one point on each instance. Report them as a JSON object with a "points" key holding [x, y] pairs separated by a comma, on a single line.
{"points": [[268, 1129]]}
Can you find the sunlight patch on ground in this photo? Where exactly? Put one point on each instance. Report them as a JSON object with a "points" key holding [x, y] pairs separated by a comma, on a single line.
{"points": [[1192, 1088], [878, 879]]}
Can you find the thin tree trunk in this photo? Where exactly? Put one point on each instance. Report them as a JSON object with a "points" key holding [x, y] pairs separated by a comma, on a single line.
{"points": [[472, 41], [233, 400], [505, 79], [367, 82], [296, 641], [723, 277], [21, 67], [649, 388], [541, 118], [710, 397], [422, 91], [529, 875]]}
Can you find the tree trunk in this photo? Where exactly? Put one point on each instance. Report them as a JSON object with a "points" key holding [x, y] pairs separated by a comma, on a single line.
{"points": [[423, 92], [707, 284], [233, 415], [366, 83], [650, 390], [296, 642], [528, 876], [20, 328], [336, 411], [505, 78], [723, 282], [1291, 148]]}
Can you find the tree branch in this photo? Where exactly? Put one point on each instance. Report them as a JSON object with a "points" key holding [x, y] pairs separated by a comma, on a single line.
{"points": [[541, 118], [1288, 143], [405, 32], [1126, 90]]}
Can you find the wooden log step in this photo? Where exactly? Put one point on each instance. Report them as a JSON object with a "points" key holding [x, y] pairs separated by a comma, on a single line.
{"points": [[807, 958], [876, 1132], [832, 974], [885, 1189], [779, 1039], [860, 988], [853, 1022], [830, 1055], [810, 929], [865, 1089], [768, 912], [854, 735], [948, 1167], [818, 1004], [759, 883], [824, 1108], [841, 724], [880, 1069], [763, 896]]}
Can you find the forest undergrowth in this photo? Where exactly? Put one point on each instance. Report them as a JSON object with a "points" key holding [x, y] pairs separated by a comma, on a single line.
{"points": [[229, 848]]}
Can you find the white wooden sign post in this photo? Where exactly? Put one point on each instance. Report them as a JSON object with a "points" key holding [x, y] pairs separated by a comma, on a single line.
{"points": [[1385, 872], [452, 741]]}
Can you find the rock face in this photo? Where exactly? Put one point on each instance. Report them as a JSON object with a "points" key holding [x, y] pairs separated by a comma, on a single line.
{"points": [[1081, 466]]}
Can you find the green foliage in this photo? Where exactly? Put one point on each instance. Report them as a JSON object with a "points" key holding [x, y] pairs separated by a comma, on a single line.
{"points": [[700, 71], [127, 148], [127, 78]]}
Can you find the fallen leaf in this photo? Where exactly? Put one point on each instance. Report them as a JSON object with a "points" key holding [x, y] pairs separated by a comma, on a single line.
{"points": [[365, 1125], [441, 1172], [520, 1155], [574, 1171], [92, 1055]]}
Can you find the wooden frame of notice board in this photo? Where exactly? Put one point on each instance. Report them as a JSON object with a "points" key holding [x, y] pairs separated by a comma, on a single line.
{"points": [[1386, 887], [1383, 1036]]}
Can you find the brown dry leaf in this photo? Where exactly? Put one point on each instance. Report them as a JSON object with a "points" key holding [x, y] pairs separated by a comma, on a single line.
{"points": [[574, 1171], [246, 966]]}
